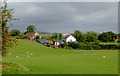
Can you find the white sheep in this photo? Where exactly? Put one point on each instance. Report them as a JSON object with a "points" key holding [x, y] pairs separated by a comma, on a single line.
{"points": [[17, 56], [104, 56]]}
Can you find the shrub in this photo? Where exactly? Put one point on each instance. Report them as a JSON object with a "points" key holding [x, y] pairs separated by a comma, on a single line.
{"points": [[63, 45], [74, 45]]}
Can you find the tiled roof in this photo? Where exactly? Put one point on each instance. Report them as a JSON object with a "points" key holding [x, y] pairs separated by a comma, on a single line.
{"points": [[66, 36]]}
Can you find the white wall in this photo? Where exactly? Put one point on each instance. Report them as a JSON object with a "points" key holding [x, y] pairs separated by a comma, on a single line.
{"points": [[70, 38]]}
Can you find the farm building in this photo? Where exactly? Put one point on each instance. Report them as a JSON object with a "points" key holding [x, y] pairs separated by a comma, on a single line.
{"points": [[31, 36], [43, 41], [69, 38], [57, 42]]}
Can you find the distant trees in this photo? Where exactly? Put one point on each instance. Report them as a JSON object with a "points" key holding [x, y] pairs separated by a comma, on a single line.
{"points": [[94, 36], [107, 36], [56, 36], [15, 32], [91, 36], [30, 29]]}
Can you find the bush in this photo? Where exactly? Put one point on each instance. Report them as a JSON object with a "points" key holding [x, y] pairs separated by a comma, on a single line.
{"points": [[63, 45], [118, 41], [110, 46], [74, 45], [36, 38]]}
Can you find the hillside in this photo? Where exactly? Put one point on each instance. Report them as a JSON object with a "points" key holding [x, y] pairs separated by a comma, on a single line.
{"points": [[40, 59]]}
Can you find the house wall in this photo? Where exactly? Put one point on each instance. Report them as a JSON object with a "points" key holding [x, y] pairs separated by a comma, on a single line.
{"points": [[57, 43], [70, 39]]}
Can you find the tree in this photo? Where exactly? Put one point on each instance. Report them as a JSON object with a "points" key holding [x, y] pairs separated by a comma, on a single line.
{"points": [[7, 41], [15, 32], [92, 36], [107, 36], [60, 36], [78, 35], [31, 29]]}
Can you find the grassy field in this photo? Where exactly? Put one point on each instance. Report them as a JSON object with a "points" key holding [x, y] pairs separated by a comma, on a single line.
{"points": [[40, 59], [103, 43]]}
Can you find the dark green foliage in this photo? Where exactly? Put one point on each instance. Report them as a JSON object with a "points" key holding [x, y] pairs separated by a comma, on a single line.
{"points": [[107, 36], [92, 46], [118, 41], [15, 32], [74, 45], [37, 37], [78, 35], [63, 45], [30, 29], [91, 36]]}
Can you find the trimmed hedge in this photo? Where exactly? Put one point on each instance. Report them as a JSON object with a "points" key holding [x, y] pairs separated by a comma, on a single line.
{"points": [[93, 46]]}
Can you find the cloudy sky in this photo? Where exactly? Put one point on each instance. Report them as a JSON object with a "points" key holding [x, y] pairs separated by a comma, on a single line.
{"points": [[66, 17]]}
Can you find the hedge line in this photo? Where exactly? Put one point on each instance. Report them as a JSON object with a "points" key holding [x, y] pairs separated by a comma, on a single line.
{"points": [[90, 46]]}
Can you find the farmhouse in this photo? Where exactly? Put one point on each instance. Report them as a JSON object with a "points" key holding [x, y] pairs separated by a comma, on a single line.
{"points": [[69, 38], [31, 36], [57, 42]]}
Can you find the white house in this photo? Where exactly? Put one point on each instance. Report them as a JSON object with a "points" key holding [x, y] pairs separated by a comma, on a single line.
{"points": [[69, 38], [57, 42]]}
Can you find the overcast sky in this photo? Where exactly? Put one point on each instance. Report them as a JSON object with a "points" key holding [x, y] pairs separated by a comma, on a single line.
{"points": [[66, 17]]}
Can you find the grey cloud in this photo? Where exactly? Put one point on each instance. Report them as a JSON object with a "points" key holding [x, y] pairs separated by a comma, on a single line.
{"points": [[66, 17]]}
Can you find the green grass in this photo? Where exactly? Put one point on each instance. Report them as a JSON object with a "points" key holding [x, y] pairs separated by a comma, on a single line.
{"points": [[45, 60], [103, 43]]}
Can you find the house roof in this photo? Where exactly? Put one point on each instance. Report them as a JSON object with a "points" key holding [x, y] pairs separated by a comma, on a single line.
{"points": [[66, 36], [29, 35], [43, 41], [58, 41]]}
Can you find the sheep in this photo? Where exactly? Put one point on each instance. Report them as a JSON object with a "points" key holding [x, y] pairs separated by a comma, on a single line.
{"points": [[17, 56], [104, 56]]}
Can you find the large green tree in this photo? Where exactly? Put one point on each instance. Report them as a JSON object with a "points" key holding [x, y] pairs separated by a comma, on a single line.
{"points": [[78, 35], [92, 36], [107, 36], [15, 32], [31, 29], [7, 41]]}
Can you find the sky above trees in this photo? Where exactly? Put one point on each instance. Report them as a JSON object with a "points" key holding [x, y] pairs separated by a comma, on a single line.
{"points": [[66, 17]]}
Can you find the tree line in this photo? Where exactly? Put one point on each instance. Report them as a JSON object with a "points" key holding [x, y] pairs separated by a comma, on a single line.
{"points": [[94, 36]]}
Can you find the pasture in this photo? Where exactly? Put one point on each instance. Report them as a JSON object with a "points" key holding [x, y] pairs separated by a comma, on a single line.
{"points": [[40, 59]]}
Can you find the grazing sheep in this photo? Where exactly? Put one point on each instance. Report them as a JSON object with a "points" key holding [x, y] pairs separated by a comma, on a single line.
{"points": [[31, 54], [104, 56], [17, 56]]}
